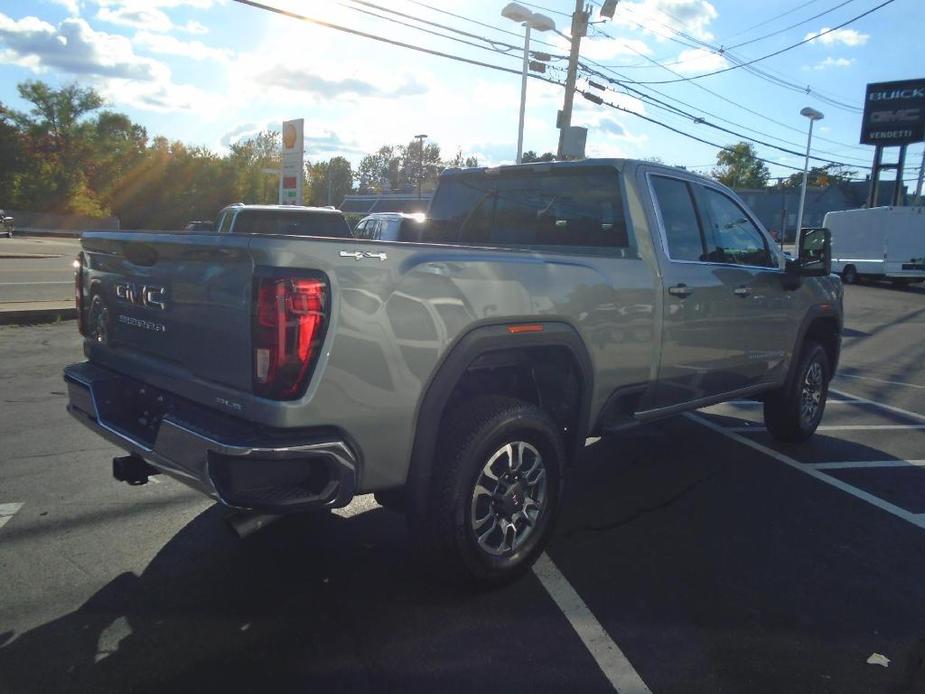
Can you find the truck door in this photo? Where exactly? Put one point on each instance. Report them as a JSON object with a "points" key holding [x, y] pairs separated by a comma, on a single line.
{"points": [[704, 342], [748, 267]]}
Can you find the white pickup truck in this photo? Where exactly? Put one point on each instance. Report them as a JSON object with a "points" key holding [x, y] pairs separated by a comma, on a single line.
{"points": [[879, 243]]}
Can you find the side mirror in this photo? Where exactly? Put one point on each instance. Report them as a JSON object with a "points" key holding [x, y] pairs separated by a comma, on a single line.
{"points": [[814, 254]]}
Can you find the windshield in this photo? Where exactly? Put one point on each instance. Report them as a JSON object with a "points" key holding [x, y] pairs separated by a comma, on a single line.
{"points": [[291, 222]]}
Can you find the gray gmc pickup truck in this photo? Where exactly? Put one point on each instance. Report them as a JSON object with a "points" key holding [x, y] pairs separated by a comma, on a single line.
{"points": [[457, 377]]}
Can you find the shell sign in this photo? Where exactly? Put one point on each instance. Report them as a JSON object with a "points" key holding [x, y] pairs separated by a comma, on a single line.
{"points": [[290, 185], [289, 135]]}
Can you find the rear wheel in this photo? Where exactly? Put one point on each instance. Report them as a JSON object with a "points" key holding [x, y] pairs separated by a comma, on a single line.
{"points": [[849, 275], [495, 491], [793, 413]]}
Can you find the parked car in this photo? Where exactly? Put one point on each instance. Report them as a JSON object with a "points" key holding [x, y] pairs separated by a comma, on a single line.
{"points": [[286, 220], [7, 224], [198, 225], [391, 226], [881, 243], [457, 378]]}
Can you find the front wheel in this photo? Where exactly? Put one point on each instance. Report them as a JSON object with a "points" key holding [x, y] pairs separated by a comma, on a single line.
{"points": [[849, 275], [794, 413], [495, 491]]}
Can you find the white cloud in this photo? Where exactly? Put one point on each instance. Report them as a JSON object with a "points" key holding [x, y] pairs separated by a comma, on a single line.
{"points": [[847, 37], [149, 15], [696, 60], [107, 62], [168, 45], [833, 62], [70, 5], [137, 17], [663, 18], [609, 48], [193, 27], [75, 48]]}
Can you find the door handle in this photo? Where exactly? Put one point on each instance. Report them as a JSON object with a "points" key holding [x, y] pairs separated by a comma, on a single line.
{"points": [[680, 290], [742, 291]]}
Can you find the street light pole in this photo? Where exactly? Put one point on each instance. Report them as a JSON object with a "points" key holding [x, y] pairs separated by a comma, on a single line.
{"points": [[813, 116], [420, 139], [529, 20], [523, 93]]}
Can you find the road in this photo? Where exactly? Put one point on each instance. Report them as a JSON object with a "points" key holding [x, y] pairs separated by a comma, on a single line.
{"points": [[715, 559], [37, 269]]}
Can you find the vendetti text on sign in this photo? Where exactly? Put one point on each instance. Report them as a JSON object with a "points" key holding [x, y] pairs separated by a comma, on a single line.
{"points": [[894, 113]]}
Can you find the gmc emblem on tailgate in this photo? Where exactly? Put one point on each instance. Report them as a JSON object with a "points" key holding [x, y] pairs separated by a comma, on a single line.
{"points": [[147, 295]]}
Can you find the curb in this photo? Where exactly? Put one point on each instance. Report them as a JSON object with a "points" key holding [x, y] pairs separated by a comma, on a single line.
{"points": [[28, 256], [37, 315]]}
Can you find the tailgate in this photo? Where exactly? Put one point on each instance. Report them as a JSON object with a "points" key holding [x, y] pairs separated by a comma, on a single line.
{"points": [[178, 301]]}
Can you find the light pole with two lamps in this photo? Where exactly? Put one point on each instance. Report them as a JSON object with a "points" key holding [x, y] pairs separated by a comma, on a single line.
{"points": [[530, 20], [813, 116]]}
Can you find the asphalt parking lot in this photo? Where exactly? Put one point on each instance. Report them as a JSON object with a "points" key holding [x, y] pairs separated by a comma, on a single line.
{"points": [[711, 558]]}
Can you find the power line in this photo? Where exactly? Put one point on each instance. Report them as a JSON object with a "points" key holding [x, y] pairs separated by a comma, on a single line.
{"points": [[478, 23], [393, 42], [792, 26], [719, 96], [771, 19], [775, 53], [661, 104], [702, 45], [597, 100]]}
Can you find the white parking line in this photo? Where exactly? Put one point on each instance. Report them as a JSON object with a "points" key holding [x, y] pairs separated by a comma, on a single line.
{"points": [[898, 410], [610, 659], [880, 380], [837, 427], [916, 519], [865, 464], [7, 511]]}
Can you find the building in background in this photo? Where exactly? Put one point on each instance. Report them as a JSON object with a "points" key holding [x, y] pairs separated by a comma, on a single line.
{"points": [[777, 207]]}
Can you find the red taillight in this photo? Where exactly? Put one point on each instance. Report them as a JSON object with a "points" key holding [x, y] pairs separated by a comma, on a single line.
{"points": [[79, 291], [289, 320]]}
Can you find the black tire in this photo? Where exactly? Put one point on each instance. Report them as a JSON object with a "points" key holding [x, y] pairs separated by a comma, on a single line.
{"points": [[471, 437], [849, 275], [785, 416]]}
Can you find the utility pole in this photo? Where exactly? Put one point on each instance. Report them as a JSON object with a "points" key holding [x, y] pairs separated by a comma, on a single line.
{"points": [[918, 187], [579, 29], [420, 139]]}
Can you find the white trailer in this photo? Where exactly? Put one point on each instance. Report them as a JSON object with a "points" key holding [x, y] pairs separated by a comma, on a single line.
{"points": [[879, 243]]}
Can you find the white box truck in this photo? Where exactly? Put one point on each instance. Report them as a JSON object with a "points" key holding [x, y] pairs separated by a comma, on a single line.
{"points": [[881, 243]]}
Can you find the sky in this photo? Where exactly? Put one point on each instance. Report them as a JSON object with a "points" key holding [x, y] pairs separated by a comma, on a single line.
{"points": [[211, 72]]}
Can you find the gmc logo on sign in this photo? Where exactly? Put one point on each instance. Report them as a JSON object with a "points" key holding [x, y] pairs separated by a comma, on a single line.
{"points": [[146, 295]]}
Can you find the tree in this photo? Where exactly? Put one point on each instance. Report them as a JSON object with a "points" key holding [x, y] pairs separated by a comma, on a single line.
{"points": [[247, 163], [530, 156], [329, 182], [738, 166], [55, 131], [459, 160], [821, 176]]}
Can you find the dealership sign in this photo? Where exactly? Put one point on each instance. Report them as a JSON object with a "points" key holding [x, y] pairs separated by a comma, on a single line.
{"points": [[894, 113], [290, 178]]}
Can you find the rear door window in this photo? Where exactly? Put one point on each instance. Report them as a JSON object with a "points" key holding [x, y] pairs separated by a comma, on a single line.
{"points": [[580, 209], [679, 218]]}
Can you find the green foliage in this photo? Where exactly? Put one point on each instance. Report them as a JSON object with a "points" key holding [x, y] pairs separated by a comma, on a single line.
{"points": [[67, 153], [738, 166], [328, 182], [530, 156], [820, 176]]}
